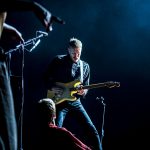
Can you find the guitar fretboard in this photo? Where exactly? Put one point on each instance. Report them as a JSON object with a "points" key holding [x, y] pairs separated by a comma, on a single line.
{"points": [[104, 84], [94, 86]]}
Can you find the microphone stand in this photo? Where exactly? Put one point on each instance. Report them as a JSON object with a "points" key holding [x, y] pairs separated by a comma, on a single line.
{"points": [[34, 41], [29, 42], [103, 118], [22, 104]]}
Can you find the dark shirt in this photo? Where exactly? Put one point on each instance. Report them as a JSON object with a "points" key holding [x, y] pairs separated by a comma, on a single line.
{"points": [[63, 69]]}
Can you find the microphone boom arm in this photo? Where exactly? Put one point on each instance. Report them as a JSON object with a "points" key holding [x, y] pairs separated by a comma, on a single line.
{"points": [[35, 41]]}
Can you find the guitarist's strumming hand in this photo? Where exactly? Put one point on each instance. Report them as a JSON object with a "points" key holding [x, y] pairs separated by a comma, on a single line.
{"points": [[81, 91]]}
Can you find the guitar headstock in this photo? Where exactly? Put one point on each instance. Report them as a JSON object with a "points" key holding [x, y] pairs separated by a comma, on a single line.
{"points": [[111, 84]]}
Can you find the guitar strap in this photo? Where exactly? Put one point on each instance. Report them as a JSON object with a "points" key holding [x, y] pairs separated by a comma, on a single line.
{"points": [[81, 71]]}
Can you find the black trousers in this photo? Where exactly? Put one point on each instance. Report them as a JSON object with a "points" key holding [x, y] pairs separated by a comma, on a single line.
{"points": [[8, 128]]}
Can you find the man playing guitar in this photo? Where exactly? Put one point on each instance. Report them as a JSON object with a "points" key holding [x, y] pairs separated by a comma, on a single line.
{"points": [[63, 72]]}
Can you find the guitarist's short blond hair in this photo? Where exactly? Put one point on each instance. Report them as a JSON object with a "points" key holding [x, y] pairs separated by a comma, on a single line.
{"points": [[74, 42]]}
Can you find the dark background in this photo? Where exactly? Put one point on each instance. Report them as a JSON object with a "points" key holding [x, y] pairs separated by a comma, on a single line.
{"points": [[116, 44]]}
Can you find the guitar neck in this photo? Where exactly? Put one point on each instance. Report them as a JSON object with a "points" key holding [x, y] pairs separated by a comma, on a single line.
{"points": [[94, 86], [109, 84]]}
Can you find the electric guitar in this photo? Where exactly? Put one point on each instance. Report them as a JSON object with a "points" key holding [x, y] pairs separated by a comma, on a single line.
{"points": [[71, 88]]}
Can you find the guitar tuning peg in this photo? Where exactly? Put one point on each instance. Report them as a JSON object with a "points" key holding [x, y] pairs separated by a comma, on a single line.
{"points": [[117, 84]]}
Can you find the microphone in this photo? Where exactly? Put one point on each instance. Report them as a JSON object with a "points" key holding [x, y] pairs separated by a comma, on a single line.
{"points": [[42, 32], [97, 98], [101, 99], [58, 20], [35, 45]]}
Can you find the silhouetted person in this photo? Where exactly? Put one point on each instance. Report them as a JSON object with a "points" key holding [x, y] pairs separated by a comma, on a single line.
{"points": [[8, 129]]}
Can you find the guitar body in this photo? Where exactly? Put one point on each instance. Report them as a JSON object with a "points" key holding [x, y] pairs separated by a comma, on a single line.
{"points": [[67, 92], [70, 88]]}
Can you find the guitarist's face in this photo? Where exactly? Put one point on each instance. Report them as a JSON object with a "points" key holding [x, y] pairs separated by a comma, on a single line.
{"points": [[74, 53]]}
